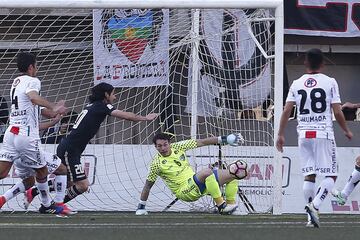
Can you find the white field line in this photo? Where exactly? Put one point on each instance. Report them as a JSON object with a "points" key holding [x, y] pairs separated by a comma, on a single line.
{"points": [[277, 224]]}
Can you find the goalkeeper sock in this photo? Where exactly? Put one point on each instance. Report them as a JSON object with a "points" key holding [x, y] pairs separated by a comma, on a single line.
{"points": [[14, 191], [351, 184], [213, 189], [71, 193], [325, 187], [231, 189], [309, 191]]}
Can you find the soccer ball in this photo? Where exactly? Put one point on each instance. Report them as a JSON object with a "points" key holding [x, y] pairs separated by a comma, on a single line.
{"points": [[238, 169]]}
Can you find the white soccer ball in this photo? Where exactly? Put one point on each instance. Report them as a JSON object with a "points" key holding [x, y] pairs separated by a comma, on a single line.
{"points": [[238, 169]]}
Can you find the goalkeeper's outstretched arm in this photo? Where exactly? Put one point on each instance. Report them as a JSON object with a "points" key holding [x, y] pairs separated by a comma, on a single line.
{"points": [[233, 139], [143, 198]]}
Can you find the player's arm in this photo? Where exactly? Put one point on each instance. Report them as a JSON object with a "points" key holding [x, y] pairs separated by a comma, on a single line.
{"points": [[339, 116], [233, 139], [132, 116], [350, 105], [283, 122], [143, 198], [52, 122], [151, 179], [36, 99]]}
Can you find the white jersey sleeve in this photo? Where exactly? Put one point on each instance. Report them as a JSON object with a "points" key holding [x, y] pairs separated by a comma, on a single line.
{"points": [[314, 94]]}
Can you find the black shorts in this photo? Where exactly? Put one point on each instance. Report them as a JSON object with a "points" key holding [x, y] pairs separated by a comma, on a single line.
{"points": [[71, 159]]}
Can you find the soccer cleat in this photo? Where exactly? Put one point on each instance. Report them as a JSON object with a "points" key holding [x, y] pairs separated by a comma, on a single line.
{"points": [[52, 209], [309, 224], [2, 201], [66, 209], [313, 213], [28, 197], [227, 209], [341, 199]]}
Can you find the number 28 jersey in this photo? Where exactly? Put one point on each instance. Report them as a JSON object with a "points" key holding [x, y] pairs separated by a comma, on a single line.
{"points": [[313, 95]]}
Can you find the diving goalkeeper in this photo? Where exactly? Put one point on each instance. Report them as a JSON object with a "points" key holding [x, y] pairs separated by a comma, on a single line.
{"points": [[172, 165]]}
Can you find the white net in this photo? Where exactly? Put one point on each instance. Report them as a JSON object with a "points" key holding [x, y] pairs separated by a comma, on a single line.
{"points": [[146, 54]]}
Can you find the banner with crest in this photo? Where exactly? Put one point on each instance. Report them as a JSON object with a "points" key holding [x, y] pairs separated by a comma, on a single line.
{"points": [[131, 47]]}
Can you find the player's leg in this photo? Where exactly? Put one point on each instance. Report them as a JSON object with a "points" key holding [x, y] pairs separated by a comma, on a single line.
{"points": [[32, 157], [76, 173], [8, 154], [207, 177], [354, 179], [28, 180], [306, 151]]}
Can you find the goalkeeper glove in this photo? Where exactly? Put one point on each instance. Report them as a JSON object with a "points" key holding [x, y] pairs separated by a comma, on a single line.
{"points": [[233, 139], [141, 208]]}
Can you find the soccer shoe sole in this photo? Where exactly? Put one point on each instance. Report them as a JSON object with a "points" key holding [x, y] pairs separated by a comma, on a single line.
{"points": [[314, 219]]}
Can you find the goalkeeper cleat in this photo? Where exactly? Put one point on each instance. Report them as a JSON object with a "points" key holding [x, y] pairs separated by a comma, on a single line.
{"points": [[340, 198], [66, 209], [227, 209], [52, 209], [313, 213], [2, 201], [28, 197]]}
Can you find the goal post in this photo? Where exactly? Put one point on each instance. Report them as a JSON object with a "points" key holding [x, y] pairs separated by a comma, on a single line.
{"points": [[208, 67]]}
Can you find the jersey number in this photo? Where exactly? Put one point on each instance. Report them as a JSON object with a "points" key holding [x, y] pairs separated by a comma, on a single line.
{"points": [[79, 169], [14, 99], [80, 118], [318, 101], [178, 163]]}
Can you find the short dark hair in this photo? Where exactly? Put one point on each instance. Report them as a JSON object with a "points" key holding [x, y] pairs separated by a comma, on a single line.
{"points": [[314, 58], [98, 92], [24, 60], [162, 136]]}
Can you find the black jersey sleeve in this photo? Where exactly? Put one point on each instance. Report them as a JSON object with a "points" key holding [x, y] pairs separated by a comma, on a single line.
{"points": [[109, 108]]}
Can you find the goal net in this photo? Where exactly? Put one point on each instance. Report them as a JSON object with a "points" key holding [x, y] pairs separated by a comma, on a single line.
{"points": [[207, 72]]}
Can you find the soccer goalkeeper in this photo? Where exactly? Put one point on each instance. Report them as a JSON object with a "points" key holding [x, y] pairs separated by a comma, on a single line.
{"points": [[172, 165]]}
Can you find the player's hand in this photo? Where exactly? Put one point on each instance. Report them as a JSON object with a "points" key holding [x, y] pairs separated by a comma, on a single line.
{"points": [[141, 212], [235, 139], [280, 143], [349, 134], [151, 116], [348, 105], [60, 107], [57, 118]]}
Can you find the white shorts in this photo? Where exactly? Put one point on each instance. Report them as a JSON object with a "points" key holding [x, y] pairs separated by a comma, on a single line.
{"points": [[26, 148], [318, 156], [23, 171]]}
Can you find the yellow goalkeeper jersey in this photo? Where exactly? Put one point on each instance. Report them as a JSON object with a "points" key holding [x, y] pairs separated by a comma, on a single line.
{"points": [[175, 169]]}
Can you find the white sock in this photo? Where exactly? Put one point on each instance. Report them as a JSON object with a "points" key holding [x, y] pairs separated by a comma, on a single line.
{"points": [[43, 189], [14, 191], [351, 184], [309, 191], [325, 187], [60, 187]]}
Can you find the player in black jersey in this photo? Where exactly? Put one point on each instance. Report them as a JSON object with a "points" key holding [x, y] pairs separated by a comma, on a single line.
{"points": [[86, 126]]}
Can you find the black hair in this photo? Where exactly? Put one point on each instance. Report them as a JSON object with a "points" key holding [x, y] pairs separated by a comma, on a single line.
{"points": [[24, 60], [162, 136], [314, 58], [98, 92]]}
